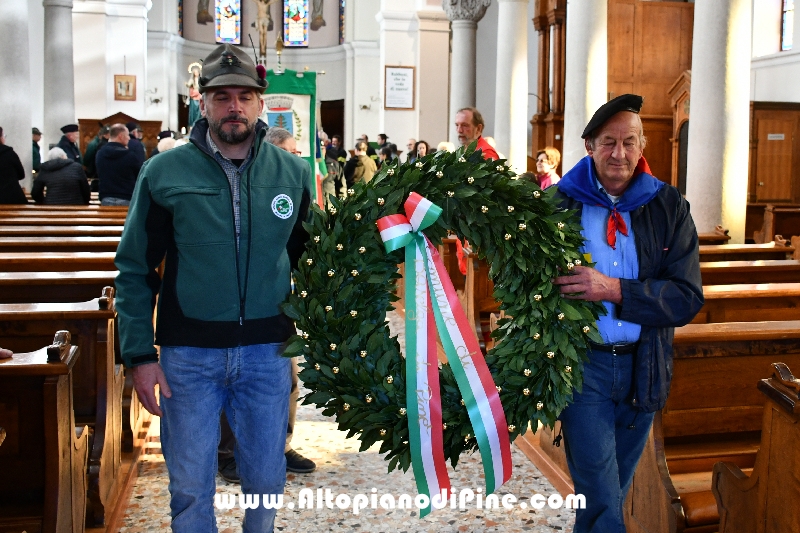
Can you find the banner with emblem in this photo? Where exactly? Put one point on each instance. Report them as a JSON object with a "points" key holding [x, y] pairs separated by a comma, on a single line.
{"points": [[291, 103]]}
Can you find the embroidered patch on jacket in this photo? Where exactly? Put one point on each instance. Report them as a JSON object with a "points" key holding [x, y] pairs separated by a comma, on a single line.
{"points": [[282, 206]]}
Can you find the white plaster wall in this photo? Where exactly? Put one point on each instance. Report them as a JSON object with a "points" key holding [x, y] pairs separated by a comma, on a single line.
{"points": [[361, 112], [433, 77], [398, 47], [110, 38], [776, 77], [36, 53], [486, 60], [533, 72], [767, 27]]}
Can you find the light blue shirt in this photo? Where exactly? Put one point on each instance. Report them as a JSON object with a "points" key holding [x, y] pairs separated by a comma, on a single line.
{"points": [[621, 263]]}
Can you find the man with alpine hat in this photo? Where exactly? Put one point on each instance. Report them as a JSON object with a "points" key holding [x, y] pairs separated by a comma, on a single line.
{"points": [[642, 239], [69, 142], [226, 212]]}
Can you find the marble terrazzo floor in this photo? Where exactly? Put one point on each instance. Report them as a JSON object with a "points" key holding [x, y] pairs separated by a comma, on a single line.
{"points": [[342, 469]]}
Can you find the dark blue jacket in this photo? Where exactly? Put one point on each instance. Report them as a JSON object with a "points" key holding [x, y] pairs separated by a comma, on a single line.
{"points": [[71, 149], [117, 169], [668, 293]]}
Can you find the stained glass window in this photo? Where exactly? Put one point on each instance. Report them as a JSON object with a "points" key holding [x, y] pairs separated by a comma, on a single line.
{"points": [[228, 21], [787, 24], [180, 18], [295, 22]]}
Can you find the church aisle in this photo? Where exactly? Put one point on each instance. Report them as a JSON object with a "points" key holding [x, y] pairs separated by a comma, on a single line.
{"points": [[343, 470]]}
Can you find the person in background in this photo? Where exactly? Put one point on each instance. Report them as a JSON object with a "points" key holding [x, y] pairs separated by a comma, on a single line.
{"points": [[421, 149], [61, 181], [469, 126], [411, 152], [336, 152], [385, 154], [135, 142], [547, 161], [69, 142], [371, 153], [11, 172], [166, 134], [117, 168], [37, 156], [446, 146], [383, 140], [360, 166], [89, 157]]}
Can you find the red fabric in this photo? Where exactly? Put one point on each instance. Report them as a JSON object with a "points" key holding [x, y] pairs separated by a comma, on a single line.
{"points": [[486, 148], [642, 166], [547, 180], [615, 223], [462, 260]]}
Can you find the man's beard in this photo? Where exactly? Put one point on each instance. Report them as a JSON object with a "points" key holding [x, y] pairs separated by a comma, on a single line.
{"points": [[235, 136]]}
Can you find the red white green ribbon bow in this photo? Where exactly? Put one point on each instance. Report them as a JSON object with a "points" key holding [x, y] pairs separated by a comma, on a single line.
{"points": [[426, 275]]}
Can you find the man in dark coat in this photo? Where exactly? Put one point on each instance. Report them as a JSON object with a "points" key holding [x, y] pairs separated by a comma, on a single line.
{"points": [[61, 181], [69, 142], [11, 172], [91, 151], [641, 237], [166, 134], [135, 144], [117, 167], [37, 157]]}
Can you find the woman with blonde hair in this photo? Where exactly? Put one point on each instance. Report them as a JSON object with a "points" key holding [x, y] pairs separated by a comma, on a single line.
{"points": [[547, 161]]}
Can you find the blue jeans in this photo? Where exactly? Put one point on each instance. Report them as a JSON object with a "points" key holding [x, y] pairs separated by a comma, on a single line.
{"points": [[109, 200], [252, 384], [601, 447]]}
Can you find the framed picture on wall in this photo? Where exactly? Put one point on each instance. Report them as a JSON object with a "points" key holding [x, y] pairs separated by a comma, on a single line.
{"points": [[398, 88], [124, 87]]}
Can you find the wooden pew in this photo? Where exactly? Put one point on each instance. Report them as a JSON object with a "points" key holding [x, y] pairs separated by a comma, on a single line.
{"points": [[750, 303], [60, 231], [46, 212], [43, 458], [767, 499], [778, 220], [58, 244], [718, 236], [713, 414], [56, 261], [45, 207], [37, 287], [98, 381], [732, 272], [744, 252]]}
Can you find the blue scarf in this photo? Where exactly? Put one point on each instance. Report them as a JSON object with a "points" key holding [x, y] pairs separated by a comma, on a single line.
{"points": [[580, 183]]}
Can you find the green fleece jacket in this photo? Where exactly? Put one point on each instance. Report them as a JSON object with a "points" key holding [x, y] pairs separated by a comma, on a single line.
{"points": [[210, 295]]}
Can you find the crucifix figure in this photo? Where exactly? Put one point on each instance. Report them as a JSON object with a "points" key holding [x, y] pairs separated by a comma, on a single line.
{"points": [[263, 23]]}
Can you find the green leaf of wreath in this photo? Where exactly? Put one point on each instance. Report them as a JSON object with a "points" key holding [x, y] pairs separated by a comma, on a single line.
{"points": [[354, 367]]}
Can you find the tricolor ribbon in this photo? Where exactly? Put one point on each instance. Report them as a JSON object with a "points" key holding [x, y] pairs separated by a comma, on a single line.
{"points": [[425, 315]]}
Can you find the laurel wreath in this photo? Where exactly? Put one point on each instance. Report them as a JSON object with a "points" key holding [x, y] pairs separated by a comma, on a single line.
{"points": [[344, 288]]}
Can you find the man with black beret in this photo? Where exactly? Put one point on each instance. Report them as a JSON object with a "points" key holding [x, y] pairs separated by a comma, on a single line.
{"points": [[225, 213], [644, 246], [166, 134], [69, 142]]}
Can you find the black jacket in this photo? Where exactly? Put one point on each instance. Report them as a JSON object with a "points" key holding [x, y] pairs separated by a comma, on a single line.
{"points": [[71, 149], [136, 146], [11, 172], [65, 182], [668, 293], [117, 168]]}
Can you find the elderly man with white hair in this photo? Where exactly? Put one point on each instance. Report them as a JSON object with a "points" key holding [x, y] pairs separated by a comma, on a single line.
{"points": [[60, 181]]}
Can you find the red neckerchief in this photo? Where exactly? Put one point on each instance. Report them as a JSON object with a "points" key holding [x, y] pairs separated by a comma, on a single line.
{"points": [[615, 220]]}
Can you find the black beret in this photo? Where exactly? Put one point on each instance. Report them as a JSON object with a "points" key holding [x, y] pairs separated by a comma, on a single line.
{"points": [[132, 126], [69, 128], [624, 102], [165, 134]]}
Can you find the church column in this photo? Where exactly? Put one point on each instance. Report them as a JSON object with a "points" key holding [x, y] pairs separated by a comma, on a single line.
{"points": [[716, 174], [587, 72], [464, 16], [15, 87], [510, 128], [59, 95]]}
